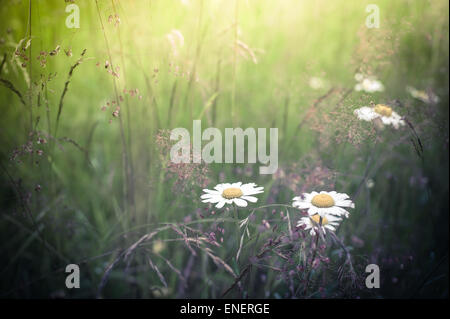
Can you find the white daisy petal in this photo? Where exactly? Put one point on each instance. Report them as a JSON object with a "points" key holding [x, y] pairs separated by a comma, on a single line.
{"points": [[252, 199], [337, 211], [250, 189], [345, 203], [366, 113], [209, 191], [240, 202], [220, 204], [238, 184], [339, 196], [205, 196], [301, 205], [212, 200]]}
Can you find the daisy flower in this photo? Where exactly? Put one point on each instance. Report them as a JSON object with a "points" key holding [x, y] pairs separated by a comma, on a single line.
{"points": [[236, 193], [329, 222], [426, 97], [324, 203], [381, 111], [368, 84]]}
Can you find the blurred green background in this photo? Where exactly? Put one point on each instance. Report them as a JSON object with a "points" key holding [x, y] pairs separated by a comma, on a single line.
{"points": [[79, 184]]}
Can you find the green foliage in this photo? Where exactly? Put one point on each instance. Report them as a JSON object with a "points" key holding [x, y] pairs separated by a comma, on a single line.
{"points": [[97, 181]]}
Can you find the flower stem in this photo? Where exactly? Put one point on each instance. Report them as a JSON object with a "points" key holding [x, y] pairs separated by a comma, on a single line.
{"points": [[314, 256], [238, 235]]}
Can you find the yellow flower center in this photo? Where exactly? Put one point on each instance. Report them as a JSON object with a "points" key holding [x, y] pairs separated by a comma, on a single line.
{"points": [[422, 95], [383, 110], [322, 201], [232, 192], [316, 218]]}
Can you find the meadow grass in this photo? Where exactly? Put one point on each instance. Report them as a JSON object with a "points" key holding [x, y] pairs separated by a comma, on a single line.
{"points": [[95, 187]]}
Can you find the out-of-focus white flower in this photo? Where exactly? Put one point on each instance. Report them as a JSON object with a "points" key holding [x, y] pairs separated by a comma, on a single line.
{"points": [[313, 222], [426, 97], [324, 203], [232, 193], [368, 84], [316, 83], [359, 77], [176, 40], [381, 111], [370, 183]]}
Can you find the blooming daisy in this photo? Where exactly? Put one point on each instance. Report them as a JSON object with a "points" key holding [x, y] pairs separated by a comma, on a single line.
{"points": [[381, 111], [324, 203], [368, 84], [329, 222], [236, 193]]}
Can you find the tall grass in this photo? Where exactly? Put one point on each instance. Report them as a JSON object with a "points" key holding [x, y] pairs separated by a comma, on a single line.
{"points": [[86, 177]]}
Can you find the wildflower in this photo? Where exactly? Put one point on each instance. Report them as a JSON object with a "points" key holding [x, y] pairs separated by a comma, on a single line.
{"points": [[370, 183], [160, 292], [236, 193], [381, 111], [313, 223], [324, 203], [316, 83], [426, 97], [368, 84]]}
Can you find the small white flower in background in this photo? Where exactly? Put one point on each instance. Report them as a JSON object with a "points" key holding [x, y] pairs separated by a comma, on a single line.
{"points": [[316, 83], [176, 40], [370, 183], [368, 84], [324, 203], [329, 222], [236, 193], [381, 111], [426, 97]]}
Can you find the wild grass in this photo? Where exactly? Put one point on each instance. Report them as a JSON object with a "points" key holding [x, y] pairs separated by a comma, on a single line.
{"points": [[86, 177]]}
